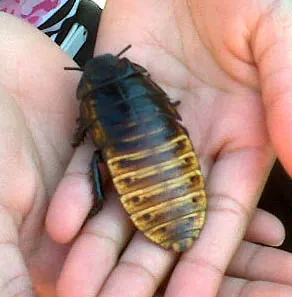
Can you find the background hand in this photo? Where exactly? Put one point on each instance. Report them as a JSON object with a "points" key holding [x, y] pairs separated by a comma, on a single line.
{"points": [[38, 111]]}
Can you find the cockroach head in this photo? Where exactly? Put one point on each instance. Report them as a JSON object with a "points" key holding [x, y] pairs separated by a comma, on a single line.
{"points": [[106, 67], [101, 71], [102, 68]]}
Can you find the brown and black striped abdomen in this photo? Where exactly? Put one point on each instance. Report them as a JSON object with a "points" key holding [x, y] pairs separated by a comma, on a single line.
{"points": [[161, 186]]}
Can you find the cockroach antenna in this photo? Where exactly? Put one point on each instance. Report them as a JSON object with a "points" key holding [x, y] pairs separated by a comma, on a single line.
{"points": [[74, 68], [124, 50]]}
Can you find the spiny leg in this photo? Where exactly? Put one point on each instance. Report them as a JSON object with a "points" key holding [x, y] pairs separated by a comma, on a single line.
{"points": [[176, 103], [80, 132], [97, 190]]}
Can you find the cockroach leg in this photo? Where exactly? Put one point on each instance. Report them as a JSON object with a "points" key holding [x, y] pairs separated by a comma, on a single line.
{"points": [[97, 190], [80, 131], [176, 103]]}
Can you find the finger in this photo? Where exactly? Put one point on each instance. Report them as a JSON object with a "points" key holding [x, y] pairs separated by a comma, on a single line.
{"points": [[250, 261], [242, 288], [272, 51], [72, 199], [143, 271], [14, 276], [265, 228], [231, 199], [141, 268], [96, 250]]}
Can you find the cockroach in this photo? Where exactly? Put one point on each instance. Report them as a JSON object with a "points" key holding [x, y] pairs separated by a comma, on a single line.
{"points": [[138, 133]]}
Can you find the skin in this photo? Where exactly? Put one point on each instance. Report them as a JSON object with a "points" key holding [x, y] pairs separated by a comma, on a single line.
{"points": [[224, 62]]}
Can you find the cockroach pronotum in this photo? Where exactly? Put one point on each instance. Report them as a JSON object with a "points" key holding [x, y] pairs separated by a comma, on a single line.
{"points": [[138, 133]]}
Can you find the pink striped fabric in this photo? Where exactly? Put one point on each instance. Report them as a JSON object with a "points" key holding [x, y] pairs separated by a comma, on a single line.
{"points": [[34, 11]]}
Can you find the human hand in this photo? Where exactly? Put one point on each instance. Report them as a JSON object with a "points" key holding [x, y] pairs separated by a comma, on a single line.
{"points": [[38, 111], [217, 58]]}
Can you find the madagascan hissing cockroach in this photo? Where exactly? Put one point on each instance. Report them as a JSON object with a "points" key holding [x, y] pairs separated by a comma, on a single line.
{"points": [[138, 133]]}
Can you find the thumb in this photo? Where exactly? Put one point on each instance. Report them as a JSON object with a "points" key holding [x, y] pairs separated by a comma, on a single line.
{"points": [[273, 55]]}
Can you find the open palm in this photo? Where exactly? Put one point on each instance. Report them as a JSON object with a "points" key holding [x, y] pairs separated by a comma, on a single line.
{"points": [[215, 59], [206, 56]]}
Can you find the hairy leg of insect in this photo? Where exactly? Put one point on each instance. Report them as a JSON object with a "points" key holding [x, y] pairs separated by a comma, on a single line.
{"points": [[139, 69], [80, 131], [97, 184], [176, 103]]}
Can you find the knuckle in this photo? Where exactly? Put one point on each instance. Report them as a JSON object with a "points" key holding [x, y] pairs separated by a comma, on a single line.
{"points": [[106, 240], [199, 263], [139, 270], [222, 202]]}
